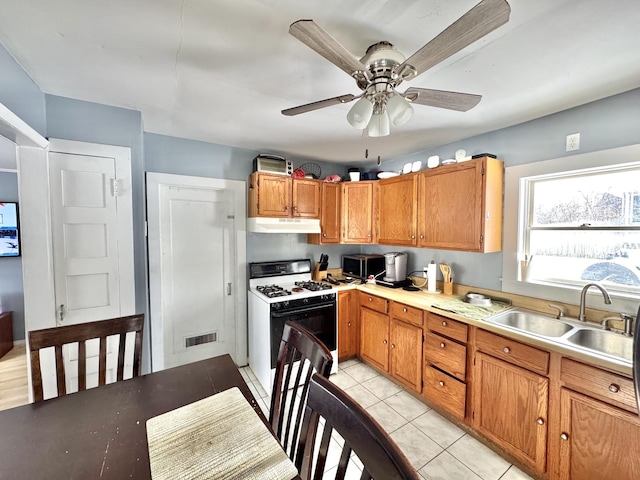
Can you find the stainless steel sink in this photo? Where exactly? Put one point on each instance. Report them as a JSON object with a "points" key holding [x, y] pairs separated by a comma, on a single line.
{"points": [[605, 342], [531, 322]]}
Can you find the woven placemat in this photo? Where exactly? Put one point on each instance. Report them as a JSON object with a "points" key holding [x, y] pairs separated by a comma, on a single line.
{"points": [[218, 437]]}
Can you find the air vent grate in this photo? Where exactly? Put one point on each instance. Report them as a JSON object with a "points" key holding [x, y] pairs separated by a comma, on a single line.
{"points": [[201, 339]]}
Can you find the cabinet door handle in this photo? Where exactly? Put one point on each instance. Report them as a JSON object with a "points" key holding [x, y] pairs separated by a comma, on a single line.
{"points": [[441, 383], [393, 346], [384, 342], [540, 421], [444, 324], [421, 236], [368, 235], [564, 436], [442, 345], [348, 324], [412, 237], [506, 349], [324, 234], [613, 388]]}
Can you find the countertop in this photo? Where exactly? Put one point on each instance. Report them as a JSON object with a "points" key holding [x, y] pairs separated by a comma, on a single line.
{"points": [[428, 301]]}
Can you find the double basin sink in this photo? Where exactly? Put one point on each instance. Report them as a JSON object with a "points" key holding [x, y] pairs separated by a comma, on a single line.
{"points": [[567, 332]]}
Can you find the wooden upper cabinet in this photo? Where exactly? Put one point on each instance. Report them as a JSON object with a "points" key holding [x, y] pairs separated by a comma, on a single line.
{"points": [[397, 210], [281, 196], [306, 198], [269, 195], [357, 212], [330, 215], [460, 206]]}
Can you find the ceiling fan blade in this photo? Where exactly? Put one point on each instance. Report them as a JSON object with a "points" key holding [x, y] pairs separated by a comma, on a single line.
{"points": [[309, 107], [442, 99], [313, 36], [482, 19]]}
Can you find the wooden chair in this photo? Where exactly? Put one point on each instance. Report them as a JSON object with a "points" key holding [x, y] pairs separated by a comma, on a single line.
{"points": [[291, 382], [379, 454], [79, 333]]}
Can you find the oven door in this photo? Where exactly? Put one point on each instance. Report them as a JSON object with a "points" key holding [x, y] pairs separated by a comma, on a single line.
{"points": [[318, 319]]}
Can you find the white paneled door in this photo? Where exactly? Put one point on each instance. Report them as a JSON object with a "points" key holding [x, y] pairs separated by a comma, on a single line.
{"points": [[92, 230], [196, 251]]}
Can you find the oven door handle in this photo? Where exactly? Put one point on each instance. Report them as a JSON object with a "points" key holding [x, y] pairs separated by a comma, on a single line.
{"points": [[288, 313]]}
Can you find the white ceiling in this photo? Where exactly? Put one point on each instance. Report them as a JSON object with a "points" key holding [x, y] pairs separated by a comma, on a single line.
{"points": [[222, 70]]}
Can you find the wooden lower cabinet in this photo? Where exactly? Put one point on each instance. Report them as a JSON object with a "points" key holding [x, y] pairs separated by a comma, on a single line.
{"points": [[405, 354], [348, 324], [510, 408], [374, 338], [597, 440]]}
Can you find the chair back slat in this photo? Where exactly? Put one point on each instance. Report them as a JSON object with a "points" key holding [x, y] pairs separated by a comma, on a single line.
{"points": [[362, 435], [62, 381], [57, 337], [82, 365], [299, 350]]}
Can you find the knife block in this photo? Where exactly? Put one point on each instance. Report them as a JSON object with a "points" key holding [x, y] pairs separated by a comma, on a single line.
{"points": [[318, 275]]}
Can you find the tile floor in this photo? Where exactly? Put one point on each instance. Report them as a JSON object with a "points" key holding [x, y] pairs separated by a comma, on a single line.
{"points": [[437, 449]]}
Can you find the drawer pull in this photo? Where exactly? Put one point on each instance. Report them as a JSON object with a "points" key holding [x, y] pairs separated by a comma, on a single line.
{"points": [[442, 345], [506, 349], [404, 310], [444, 324], [540, 421], [370, 299], [384, 342], [441, 383], [564, 436], [613, 388]]}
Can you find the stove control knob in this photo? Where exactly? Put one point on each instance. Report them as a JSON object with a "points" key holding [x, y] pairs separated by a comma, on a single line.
{"points": [[305, 300]]}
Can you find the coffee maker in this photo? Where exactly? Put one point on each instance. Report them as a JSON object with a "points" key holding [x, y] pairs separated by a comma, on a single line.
{"points": [[396, 267]]}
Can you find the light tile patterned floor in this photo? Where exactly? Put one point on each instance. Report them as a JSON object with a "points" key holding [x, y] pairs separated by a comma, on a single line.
{"points": [[436, 448]]}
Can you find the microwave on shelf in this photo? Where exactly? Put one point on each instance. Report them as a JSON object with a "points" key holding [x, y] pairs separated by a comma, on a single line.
{"points": [[362, 265], [272, 164]]}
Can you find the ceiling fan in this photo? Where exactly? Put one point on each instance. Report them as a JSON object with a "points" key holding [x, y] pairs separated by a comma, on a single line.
{"points": [[383, 68]]}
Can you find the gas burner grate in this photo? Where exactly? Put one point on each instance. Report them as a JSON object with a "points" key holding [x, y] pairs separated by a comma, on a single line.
{"points": [[313, 286], [273, 291]]}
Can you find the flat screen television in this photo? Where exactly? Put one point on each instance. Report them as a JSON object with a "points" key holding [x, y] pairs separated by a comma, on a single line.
{"points": [[9, 235]]}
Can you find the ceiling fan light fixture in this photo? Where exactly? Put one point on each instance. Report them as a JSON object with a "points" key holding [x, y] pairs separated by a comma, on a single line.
{"points": [[379, 125], [399, 110], [360, 113]]}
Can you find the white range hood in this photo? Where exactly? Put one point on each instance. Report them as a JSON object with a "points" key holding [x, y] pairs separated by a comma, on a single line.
{"points": [[283, 225]]}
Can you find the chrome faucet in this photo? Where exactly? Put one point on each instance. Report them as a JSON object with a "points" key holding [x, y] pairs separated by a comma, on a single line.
{"points": [[583, 298]]}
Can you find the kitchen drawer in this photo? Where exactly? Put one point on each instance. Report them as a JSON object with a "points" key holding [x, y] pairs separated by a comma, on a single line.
{"points": [[408, 314], [378, 304], [445, 354], [593, 381], [445, 391], [513, 352], [447, 327]]}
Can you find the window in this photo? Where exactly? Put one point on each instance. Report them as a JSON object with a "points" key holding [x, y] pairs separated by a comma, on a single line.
{"points": [[577, 220], [584, 226]]}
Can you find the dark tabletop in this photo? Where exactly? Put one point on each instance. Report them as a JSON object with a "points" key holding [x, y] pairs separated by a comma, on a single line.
{"points": [[101, 432]]}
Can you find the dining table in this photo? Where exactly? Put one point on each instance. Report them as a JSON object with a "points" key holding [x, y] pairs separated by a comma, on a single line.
{"points": [[101, 433]]}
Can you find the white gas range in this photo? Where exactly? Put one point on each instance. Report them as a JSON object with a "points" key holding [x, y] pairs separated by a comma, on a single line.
{"points": [[283, 291]]}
